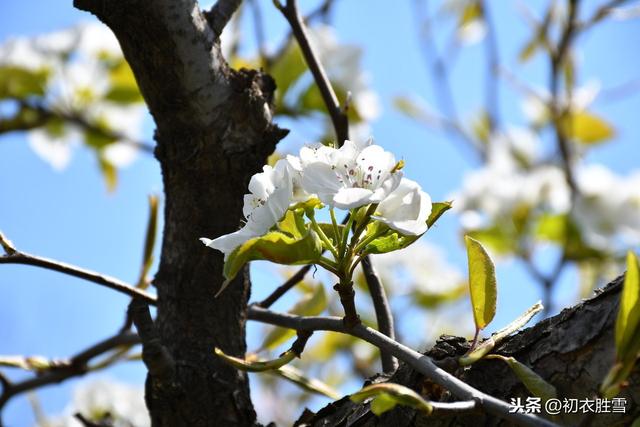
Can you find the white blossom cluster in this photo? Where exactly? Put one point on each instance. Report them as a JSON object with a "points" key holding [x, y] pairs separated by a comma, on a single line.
{"points": [[122, 404], [348, 177], [420, 267], [606, 209], [77, 80]]}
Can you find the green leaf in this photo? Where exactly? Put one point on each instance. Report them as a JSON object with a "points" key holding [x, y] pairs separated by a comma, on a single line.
{"points": [[487, 345], [288, 67], [587, 128], [310, 384], [482, 283], [109, 172], [410, 108], [437, 210], [277, 247], [311, 100], [497, 237], [382, 403], [124, 88], [471, 12], [532, 381], [149, 242], [481, 127], [17, 82], [629, 311], [312, 304], [389, 395], [434, 299], [258, 365], [392, 240], [562, 230]]}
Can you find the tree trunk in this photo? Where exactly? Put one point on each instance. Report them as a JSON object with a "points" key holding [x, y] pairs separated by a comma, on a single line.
{"points": [[213, 132], [573, 351]]}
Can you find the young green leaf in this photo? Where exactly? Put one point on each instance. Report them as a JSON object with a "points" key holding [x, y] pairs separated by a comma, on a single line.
{"points": [[312, 385], [487, 345], [392, 240], [482, 283], [532, 381], [627, 333], [587, 128], [149, 242], [387, 395], [277, 247], [258, 365], [629, 311]]}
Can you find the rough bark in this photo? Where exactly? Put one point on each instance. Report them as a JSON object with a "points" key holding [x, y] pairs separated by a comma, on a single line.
{"points": [[213, 131], [573, 351]]}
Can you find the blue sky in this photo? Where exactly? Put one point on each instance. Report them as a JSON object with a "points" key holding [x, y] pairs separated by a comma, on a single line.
{"points": [[70, 216]]}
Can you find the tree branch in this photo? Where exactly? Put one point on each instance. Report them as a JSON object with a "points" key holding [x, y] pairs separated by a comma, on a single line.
{"points": [[155, 356], [558, 112], [338, 116], [384, 317], [220, 14], [77, 366], [419, 362], [110, 282]]}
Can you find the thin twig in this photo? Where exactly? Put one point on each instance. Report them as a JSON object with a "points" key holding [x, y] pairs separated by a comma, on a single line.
{"points": [[71, 270], [338, 116], [441, 85], [39, 114], [492, 88], [419, 362], [285, 287], [220, 14], [155, 356], [384, 317], [558, 111], [77, 366]]}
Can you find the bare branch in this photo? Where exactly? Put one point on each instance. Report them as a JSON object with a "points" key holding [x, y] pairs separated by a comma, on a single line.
{"points": [[285, 287], [32, 116], [338, 116], [558, 112], [110, 282], [155, 356], [419, 362], [384, 316], [77, 366], [220, 14]]}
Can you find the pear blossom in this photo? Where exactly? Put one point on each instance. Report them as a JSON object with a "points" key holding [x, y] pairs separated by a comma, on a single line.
{"points": [[608, 207], [419, 267], [269, 197], [406, 209], [122, 404], [352, 176], [77, 85]]}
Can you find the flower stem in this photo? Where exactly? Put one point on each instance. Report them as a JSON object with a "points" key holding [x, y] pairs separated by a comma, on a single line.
{"points": [[328, 243], [336, 229], [345, 234]]}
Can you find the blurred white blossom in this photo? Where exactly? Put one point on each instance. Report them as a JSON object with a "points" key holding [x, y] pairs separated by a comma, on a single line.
{"points": [[81, 66], [608, 207], [99, 399], [420, 267]]}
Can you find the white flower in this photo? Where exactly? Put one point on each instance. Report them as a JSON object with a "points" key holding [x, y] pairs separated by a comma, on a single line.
{"points": [[124, 404], [607, 208], [420, 267], [352, 176], [269, 197], [406, 209]]}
